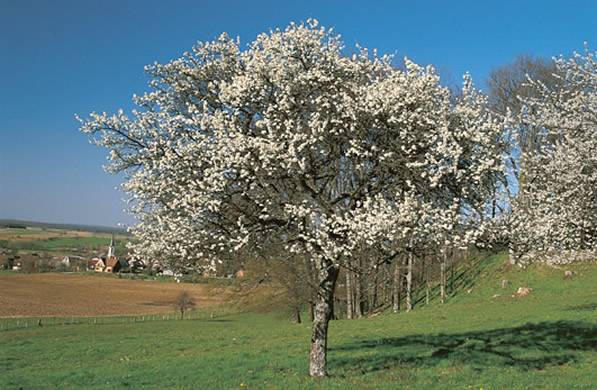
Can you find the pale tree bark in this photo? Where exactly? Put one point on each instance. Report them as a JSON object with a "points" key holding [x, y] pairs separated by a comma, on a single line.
{"points": [[324, 308], [372, 289], [427, 282], [511, 256], [358, 305], [349, 294], [452, 258], [409, 282], [396, 286], [443, 276]]}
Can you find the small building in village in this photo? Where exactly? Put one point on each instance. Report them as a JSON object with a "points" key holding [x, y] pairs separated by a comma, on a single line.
{"points": [[113, 265], [110, 263], [98, 264], [13, 263]]}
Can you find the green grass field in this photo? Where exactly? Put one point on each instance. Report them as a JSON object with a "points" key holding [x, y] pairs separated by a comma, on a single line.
{"points": [[546, 340], [77, 242], [20, 232], [51, 242]]}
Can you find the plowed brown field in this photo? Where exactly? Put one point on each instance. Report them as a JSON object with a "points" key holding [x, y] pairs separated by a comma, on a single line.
{"points": [[60, 295]]}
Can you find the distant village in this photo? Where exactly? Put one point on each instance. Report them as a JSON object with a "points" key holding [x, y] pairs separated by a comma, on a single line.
{"points": [[105, 263], [108, 263]]}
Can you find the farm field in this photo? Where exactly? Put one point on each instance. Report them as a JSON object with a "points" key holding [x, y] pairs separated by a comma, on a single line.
{"points": [[34, 234], [545, 340], [57, 295], [58, 241]]}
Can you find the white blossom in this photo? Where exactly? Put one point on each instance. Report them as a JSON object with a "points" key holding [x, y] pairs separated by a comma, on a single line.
{"points": [[557, 209], [291, 141]]}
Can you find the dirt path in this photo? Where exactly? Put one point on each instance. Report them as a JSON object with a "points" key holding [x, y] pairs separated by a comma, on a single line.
{"points": [[23, 295]]}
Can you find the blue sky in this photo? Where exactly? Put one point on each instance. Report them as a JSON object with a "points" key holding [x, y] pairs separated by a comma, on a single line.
{"points": [[61, 57]]}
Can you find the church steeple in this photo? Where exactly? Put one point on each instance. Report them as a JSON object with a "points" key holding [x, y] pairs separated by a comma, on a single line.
{"points": [[111, 249]]}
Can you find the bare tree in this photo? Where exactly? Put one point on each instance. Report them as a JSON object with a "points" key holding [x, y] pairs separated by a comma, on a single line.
{"points": [[183, 302], [276, 281], [508, 86]]}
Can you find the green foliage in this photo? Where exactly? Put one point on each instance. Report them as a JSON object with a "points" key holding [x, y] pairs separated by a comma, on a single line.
{"points": [[545, 340]]}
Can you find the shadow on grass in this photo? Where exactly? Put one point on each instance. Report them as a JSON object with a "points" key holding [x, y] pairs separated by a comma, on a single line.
{"points": [[586, 306], [464, 277], [214, 320], [531, 346], [459, 280]]}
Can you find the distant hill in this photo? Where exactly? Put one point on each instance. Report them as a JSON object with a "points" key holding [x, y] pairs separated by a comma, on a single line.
{"points": [[63, 226]]}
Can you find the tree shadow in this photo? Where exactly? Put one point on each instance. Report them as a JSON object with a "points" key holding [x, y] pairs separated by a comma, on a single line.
{"points": [[463, 278], [458, 281], [531, 346], [214, 320], [586, 306]]}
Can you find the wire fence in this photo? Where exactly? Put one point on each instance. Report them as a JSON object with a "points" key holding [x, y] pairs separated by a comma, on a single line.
{"points": [[41, 322]]}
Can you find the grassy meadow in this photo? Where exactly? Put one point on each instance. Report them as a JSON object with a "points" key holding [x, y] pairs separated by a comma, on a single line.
{"points": [[545, 340]]}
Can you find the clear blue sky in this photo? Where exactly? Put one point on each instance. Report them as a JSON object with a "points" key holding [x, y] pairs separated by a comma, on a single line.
{"points": [[60, 57]]}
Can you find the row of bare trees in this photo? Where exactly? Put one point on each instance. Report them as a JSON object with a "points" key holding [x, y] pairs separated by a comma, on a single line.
{"points": [[410, 280]]}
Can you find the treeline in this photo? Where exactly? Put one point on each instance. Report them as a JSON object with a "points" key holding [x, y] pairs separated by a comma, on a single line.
{"points": [[289, 285]]}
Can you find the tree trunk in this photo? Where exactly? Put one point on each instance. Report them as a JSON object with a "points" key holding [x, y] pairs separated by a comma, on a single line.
{"points": [[373, 290], [349, 300], [452, 269], [358, 304], [311, 281], [511, 255], [443, 276], [327, 277], [409, 275], [397, 283], [409, 283], [427, 283], [296, 315]]}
